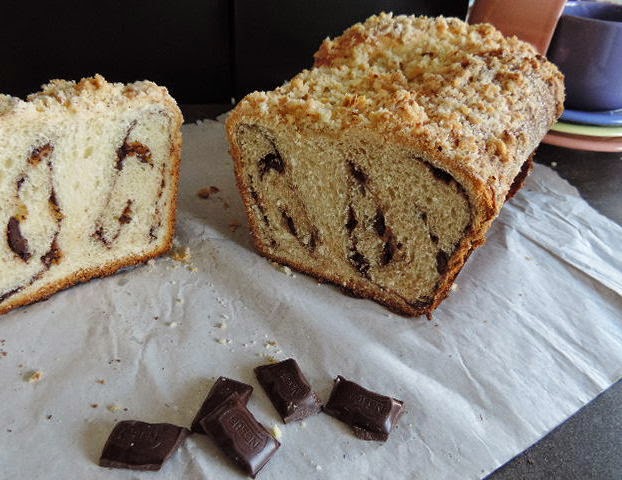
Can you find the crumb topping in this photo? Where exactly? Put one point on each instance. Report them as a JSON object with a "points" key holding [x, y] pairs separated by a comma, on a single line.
{"points": [[462, 91], [91, 93], [34, 376]]}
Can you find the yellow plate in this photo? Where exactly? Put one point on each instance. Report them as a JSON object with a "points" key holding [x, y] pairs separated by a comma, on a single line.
{"points": [[587, 130]]}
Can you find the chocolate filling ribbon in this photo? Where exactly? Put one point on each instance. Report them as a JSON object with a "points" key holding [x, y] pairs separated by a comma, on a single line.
{"points": [[359, 184], [142, 153], [17, 242], [301, 228]]}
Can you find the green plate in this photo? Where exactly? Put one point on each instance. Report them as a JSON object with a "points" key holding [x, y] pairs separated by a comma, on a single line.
{"points": [[587, 130]]}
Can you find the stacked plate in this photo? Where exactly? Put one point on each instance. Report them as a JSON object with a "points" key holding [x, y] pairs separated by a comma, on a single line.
{"points": [[583, 130]]}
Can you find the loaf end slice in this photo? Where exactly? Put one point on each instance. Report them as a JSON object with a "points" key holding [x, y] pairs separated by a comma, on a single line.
{"points": [[88, 183], [382, 168]]}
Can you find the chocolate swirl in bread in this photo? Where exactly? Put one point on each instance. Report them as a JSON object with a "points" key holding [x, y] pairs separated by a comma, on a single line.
{"points": [[88, 182], [382, 168]]}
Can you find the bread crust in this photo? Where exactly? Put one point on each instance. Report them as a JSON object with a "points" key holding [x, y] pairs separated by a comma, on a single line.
{"points": [[70, 95], [461, 97], [79, 277]]}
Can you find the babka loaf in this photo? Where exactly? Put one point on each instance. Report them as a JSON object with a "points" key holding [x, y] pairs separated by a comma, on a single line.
{"points": [[88, 183], [382, 168]]}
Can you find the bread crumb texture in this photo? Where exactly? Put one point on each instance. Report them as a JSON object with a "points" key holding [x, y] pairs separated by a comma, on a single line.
{"points": [[34, 376], [181, 254]]}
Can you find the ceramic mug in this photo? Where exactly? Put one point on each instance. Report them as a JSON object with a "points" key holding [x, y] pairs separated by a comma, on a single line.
{"points": [[530, 20], [587, 48]]}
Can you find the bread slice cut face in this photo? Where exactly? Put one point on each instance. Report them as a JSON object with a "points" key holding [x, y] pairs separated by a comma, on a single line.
{"points": [[88, 183]]}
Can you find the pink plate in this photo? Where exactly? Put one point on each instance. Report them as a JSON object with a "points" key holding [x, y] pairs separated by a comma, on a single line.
{"points": [[582, 142]]}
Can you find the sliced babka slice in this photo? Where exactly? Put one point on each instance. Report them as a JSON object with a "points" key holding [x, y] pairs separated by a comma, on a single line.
{"points": [[88, 183]]}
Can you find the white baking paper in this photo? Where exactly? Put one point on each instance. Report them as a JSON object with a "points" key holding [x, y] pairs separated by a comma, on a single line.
{"points": [[532, 333]]}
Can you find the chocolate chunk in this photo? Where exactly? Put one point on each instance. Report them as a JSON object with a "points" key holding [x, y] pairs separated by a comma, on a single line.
{"points": [[441, 175], [289, 221], [219, 392], [53, 255], [359, 175], [137, 149], [126, 214], [314, 239], [272, 161], [16, 240], [101, 236], [352, 221], [240, 436], [141, 446], [40, 153], [55, 207], [254, 194], [379, 223], [360, 262], [388, 250], [288, 390], [371, 416], [442, 261]]}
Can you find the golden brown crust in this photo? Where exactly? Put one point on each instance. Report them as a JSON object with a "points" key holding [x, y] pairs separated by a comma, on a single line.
{"points": [[463, 97], [82, 276], [65, 94]]}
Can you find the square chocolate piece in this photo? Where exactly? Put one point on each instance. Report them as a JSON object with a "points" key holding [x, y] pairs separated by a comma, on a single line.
{"points": [[141, 446], [372, 416], [288, 390], [218, 393], [240, 436]]}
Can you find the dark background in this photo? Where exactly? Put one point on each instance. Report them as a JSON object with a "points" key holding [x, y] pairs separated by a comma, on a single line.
{"points": [[204, 51]]}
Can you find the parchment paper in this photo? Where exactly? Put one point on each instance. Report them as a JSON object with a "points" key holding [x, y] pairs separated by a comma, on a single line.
{"points": [[532, 333]]}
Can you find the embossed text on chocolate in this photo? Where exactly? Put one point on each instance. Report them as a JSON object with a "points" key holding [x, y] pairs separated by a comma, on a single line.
{"points": [[368, 405], [240, 428]]}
